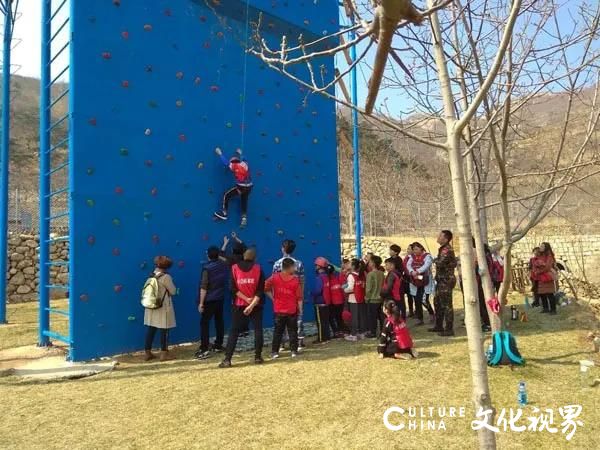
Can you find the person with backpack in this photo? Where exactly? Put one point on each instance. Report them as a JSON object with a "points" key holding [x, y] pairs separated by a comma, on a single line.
{"points": [[243, 185], [375, 280], [395, 340], [321, 295], [356, 290], [211, 299], [159, 313], [421, 280], [284, 289], [392, 286], [247, 287], [338, 297]]}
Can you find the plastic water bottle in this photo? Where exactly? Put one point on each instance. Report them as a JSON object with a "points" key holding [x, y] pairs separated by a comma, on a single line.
{"points": [[522, 396], [488, 352]]}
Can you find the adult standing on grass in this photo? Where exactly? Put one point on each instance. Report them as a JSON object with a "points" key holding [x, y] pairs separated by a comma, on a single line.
{"points": [[544, 269], [211, 298], [421, 280], [288, 247], [374, 301], [162, 318], [247, 286], [445, 264]]}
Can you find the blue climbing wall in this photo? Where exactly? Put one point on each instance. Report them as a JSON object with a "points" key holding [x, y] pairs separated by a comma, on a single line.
{"points": [[156, 86]]}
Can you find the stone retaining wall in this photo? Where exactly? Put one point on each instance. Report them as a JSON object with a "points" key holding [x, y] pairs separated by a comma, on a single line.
{"points": [[23, 270]]}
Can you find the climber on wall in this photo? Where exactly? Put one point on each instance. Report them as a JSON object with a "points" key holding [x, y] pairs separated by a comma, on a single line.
{"points": [[243, 184]]}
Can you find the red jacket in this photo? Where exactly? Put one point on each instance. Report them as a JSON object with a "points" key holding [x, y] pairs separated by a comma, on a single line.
{"points": [[286, 291], [402, 334], [337, 291], [360, 287], [392, 287]]}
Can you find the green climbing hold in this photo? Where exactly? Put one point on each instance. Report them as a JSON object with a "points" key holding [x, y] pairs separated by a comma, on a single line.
{"points": [[200, 165], [124, 152], [229, 125], [116, 222], [131, 318], [90, 171], [147, 215], [90, 202], [152, 104]]}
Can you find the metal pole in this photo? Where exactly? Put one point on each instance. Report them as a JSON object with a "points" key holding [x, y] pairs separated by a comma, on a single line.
{"points": [[44, 315], [355, 146], [4, 155]]}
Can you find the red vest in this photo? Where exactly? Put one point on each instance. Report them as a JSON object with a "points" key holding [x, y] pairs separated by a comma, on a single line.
{"points": [[417, 263], [402, 334], [326, 288], [246, 282], [396, 291], [359, 287], [337, 291], [285, 294], [241, 172]]}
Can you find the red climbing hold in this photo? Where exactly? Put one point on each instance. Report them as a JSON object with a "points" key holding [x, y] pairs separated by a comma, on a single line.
{"points": [[125, 34], [125, 84], [214, 88], [116, 252], [206, 44], [84, 297], [118, 288], [118, 190], [92, 121], [106, 55], [182, 137]]}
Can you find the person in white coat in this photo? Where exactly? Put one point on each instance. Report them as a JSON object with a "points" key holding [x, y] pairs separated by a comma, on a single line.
{"points": [[421, 281], [162, 318]]}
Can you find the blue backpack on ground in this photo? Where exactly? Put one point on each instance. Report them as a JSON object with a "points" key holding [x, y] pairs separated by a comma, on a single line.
{"points": [[504, 350]]}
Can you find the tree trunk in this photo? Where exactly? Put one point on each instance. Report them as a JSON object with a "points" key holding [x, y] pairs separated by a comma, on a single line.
{"points": [[481, 391], [484, 271]]}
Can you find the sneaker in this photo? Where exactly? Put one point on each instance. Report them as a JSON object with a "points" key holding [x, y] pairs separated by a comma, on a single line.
{"points": [[221, 215], [351, 338], [435, 330], [244, 221], [217, 349], [486, 328], [274, 355], [415, 354], [295, 354], [225, 364], [258, 360], [419, 323], [300, 343], [203, 355], [446, 333]]}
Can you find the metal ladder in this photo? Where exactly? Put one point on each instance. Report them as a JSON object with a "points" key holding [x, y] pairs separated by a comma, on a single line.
{"points": [[54, 162]]}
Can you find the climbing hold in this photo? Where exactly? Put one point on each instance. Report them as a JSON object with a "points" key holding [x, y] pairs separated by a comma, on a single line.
{"points": [[168, 12], [314, 242], [154, 192], [152, 104], [106, 55], [117, 2], [118, 288], [214, 88], [277, 106], [91, 240], [279, 166], [202, 18], [148, 132], [169, 157], [206, 44], [258, 112], [229, 125], [179, 75], [259, 173], [182, 137], [219, 34], [181, 264], [280, 232], [92, 121], [125, 84], [124, 152], [131, 318], [116, 222], [147, 27], [89, 202], [147, 215], [205, 237], [276, 139], [148, 68], [280, 194], [211, 191], [155, 238], [179, 103], [178, 243], [301, 236], [302, 213], [187, 214], [148, 163], [125, 34], [84, 297], [197, 81], [298, 192], [118, 190], [267, 219], [200, 165], [116, 252], [315, 141], [90, 171]]}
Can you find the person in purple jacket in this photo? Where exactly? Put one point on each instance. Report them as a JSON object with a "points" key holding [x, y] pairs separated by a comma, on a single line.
{"points": [[243, 184]]}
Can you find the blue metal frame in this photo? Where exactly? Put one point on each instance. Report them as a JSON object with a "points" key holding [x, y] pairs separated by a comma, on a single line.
{"points": [[44, 315], [9, 19], [355, 150]]}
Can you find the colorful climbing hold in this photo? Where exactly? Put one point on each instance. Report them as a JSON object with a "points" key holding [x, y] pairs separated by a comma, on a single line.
{"points": [[92, 121], [91, 240], [90, 171], [315, 141], [125, 34], [84, 297], [229, 125], [148, 163], [116, 252], [147, 27], [118, 288], [179, 75], [181, 264], [118, 190], [106, 55], [214, 88], [197, 81], [90, 203], [147, 215], [152, 104], [280, 232], [179, 103], [182, 137], [148, 68], [131, 318], [116, 222], [125, 84], [200, 165], [169, 157], [187, 214], [154, 192], [276, 139], [148, 132]]}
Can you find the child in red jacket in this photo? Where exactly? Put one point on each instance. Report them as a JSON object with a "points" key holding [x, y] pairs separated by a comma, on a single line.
{"points": [[284, 288], [243, 184], [395, 340], [336, 309]]}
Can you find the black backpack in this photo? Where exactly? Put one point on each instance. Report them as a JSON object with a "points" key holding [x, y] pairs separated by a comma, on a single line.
{"points": [[504, 350]]}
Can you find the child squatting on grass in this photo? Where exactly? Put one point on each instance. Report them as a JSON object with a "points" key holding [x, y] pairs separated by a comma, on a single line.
{"points": [[395, 341]]}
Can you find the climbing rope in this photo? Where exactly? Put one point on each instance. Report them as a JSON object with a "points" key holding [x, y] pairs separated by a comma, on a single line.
{"points": [[245, 81]]}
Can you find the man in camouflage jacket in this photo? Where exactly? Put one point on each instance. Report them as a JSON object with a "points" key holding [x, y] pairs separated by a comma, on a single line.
{"points": [[445, 278]]}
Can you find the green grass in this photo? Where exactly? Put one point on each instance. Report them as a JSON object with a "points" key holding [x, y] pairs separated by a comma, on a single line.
{"points": [[333, 397]]}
